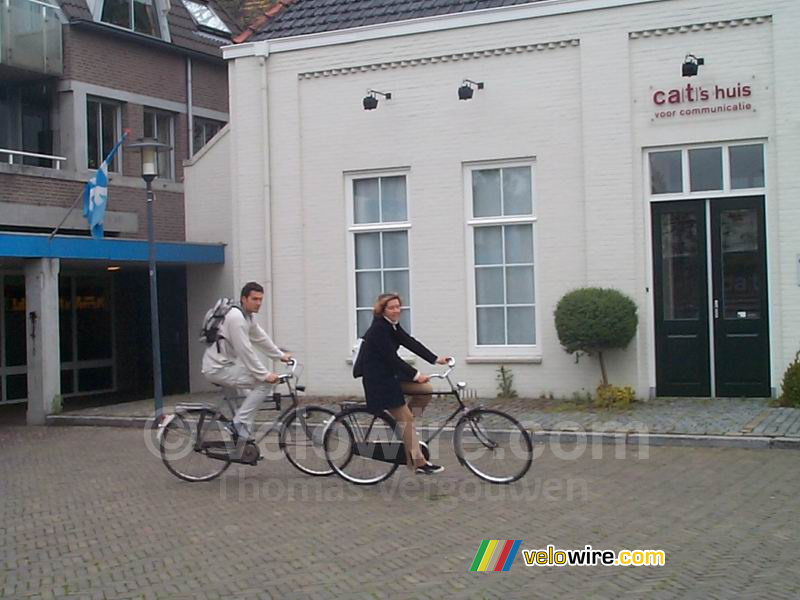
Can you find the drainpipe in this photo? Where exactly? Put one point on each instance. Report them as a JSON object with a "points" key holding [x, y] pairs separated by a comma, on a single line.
{"points": [[189, 114], [262, 60]]}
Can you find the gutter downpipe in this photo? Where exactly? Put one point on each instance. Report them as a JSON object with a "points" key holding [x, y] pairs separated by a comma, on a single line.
{"points": [[263, 54], [189, 101]]}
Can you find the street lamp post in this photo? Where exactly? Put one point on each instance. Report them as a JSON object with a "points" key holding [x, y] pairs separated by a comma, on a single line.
{"points": [[149, 148]]}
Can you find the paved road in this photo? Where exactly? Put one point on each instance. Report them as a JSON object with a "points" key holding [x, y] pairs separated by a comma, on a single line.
{"points": [[89, 513]]}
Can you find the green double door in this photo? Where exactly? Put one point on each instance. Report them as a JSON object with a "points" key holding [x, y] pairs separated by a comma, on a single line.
{"points": [[710, 287]]}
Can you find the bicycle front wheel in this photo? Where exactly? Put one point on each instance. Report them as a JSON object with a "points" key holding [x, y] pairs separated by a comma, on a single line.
{"points": [[187, 459], [493, 445], [300, 439], [362, 447]]}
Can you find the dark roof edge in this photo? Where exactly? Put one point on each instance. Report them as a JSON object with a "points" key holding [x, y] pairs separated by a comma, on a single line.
{"points": [[144, 39]]}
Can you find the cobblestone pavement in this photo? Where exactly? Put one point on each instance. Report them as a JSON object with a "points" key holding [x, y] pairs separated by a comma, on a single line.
{"points": [[90, 513]]}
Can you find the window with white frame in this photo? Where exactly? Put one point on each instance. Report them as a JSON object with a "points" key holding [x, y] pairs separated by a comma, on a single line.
{"points": [[103, 130], [160, 125], [706, 170], [379, 228], [501, 222]]}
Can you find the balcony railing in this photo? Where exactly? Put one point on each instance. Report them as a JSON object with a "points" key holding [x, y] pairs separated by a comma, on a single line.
{"points": [[30, 36], [17, 157]]}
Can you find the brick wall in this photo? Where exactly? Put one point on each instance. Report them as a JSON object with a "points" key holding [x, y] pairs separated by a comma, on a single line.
{"points": [[210, 85], [60, 194]]}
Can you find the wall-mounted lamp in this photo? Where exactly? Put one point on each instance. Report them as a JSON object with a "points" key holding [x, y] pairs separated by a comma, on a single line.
{"points": [[690, 64], [466, 90], [371, 101]]}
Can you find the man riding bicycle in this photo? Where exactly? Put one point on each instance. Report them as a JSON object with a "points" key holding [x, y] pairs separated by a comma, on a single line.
{"points": [[233, 362]]}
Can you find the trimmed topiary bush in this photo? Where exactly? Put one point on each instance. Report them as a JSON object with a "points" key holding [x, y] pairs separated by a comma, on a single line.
{"points": [[593, 320], [790, 386]]}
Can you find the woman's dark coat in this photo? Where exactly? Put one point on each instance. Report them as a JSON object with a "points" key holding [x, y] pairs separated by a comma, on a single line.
{"points": [[381, 367]]}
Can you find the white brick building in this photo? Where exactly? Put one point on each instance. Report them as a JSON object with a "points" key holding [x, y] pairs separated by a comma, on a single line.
{"points": [[586, 159]]}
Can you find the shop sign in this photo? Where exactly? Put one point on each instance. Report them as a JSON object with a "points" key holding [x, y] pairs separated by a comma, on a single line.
{"points": [[693, 100]]}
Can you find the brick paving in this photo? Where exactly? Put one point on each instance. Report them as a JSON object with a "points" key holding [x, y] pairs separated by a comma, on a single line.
{"points": [[90, 513]]}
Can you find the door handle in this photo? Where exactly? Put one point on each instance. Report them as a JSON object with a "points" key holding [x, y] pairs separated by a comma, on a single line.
{"points": [[716, 308]]}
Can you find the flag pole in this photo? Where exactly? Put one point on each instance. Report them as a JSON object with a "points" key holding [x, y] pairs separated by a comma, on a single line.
{"points": [[66, 216]]}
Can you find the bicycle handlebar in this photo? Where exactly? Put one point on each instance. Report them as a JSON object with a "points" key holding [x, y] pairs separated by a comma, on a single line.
{"points": [[451, 363]]}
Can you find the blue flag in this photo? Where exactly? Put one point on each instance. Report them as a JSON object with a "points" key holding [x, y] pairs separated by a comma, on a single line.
{"points": [[95, 194]]}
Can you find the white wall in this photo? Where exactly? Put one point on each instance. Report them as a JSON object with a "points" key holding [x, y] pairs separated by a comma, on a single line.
{"points": [[579, 110]]}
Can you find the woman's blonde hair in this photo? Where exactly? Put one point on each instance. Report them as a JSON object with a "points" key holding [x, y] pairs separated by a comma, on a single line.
{"points": [[383, 300]]}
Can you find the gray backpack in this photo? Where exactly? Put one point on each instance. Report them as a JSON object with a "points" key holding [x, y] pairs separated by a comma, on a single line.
{"points": [[215, 315]]}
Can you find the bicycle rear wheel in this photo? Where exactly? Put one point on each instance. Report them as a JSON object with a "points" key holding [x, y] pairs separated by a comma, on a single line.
{"points": [[184, 457], [300, 439], [493, 445], [360, 446]]}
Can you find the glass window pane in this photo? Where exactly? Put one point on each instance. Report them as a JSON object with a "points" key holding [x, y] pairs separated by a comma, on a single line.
{"points": [[93, 318], [368, 251], [519, 244], [486, 193], [395, 249], [93, 134], [203, 15], [109, 134], [489, 285], [365, 201], [368, 286], [65, 317], [14, 335], [144, 17], [747, 166], [521, 325], [705, 169], [682, 262], [117, 12], [66, 382], [393, 199], [665, 172], [16, 387], [491, 326], [198, 136], [488, 245], [397, 281], [519, 285], [149, 124], [364, 319], [741, 269], [405, 319], [517, 197]]}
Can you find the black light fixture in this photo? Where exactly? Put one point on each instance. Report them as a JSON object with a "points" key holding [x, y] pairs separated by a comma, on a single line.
{"points": [[466, 90], [690, 64], [371, 101]]}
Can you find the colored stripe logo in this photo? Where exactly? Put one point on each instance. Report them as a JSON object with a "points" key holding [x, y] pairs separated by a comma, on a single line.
{"points": [[495, 555]]}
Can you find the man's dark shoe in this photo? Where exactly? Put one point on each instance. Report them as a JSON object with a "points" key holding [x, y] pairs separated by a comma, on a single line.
{"points": [[429, 469]]}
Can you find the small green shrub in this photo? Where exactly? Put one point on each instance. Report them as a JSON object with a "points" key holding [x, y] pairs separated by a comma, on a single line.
{"points": [[790, 386], [613, 396], [505, 383], [592, 320]]}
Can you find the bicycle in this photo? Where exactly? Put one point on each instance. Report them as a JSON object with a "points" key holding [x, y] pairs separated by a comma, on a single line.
{"points": [[359, 440], [196, 445]]}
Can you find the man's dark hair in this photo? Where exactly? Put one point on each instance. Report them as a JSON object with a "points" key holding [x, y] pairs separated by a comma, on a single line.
{"points": [[251, 286]]}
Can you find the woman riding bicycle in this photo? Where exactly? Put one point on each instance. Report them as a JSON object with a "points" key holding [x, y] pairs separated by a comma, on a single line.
{"points": [[387, 377]]}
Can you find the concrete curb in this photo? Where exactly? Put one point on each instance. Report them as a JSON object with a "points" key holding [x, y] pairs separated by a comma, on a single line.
{"points": [[539, 436]]}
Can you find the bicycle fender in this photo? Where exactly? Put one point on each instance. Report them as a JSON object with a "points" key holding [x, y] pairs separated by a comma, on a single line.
{"points": [[163, 425]]}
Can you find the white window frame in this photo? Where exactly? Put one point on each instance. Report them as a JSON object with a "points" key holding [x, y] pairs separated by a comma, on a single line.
{"points": [[686, 193], [118, 158], [506, 351], [157, 112], [353, 229]]}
